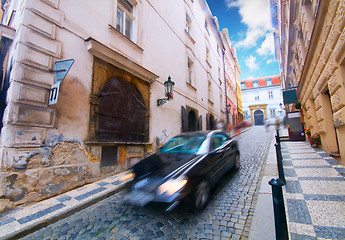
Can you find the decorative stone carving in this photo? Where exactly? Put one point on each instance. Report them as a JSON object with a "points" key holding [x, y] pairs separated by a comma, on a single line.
{"points": [[333, 84], [309, 114], [321, 125], [316, 98], [339, 47], [340, 15], [338, 99], [319, 115], [339, 118]]}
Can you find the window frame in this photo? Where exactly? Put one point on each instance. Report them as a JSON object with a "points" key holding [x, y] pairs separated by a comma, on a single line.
{"points": [[188, 24], [190, 78], [126, 15]]}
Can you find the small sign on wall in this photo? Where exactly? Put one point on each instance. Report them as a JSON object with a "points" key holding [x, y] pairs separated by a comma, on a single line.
{"points": [[54, 93], [61, 69]]}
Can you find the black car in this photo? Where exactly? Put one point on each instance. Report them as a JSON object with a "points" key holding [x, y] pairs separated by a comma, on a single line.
{"points": [[185, 168]]}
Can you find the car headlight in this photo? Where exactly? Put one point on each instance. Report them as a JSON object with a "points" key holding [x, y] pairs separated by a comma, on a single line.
{"points": [[127, 176], [173, 185]]}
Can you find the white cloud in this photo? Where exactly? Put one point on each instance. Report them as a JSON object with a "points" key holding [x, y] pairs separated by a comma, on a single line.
{"points": [[269, 61], [251, 62], [267, 46], [257, 16]]}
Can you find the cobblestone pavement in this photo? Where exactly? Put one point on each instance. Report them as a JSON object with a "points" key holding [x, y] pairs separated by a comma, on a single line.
{"points": [[228, 215], [314, 192]]}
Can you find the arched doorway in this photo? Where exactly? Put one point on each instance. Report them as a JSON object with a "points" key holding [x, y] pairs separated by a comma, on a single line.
{"points": [[122, 112], [258, 117]]}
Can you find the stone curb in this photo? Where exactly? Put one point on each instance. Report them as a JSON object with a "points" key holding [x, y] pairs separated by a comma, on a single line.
{"points": [[54, 209]]}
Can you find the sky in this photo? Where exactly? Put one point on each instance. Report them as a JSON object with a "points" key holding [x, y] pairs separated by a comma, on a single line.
{"points": [[251, 33]]}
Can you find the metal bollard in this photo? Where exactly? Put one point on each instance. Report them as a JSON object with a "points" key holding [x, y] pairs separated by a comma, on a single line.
{"points": [[280, 163], [279, 210]]}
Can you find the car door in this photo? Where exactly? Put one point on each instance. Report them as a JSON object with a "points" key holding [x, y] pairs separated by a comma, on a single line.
{"points": [[216, 160]]}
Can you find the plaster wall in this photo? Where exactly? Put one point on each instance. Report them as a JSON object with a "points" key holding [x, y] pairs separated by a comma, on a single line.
{"points": [[50, 142]]}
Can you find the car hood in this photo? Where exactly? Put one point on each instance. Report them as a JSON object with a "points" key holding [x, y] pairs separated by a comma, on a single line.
{"points": [[164, 165]]}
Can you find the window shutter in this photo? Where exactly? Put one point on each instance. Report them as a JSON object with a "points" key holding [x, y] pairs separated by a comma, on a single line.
{"points": [[200, 123], [184, 119]]}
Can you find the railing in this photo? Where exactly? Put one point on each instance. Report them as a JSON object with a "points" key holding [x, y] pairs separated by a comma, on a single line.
{"points": [[277, 195]]}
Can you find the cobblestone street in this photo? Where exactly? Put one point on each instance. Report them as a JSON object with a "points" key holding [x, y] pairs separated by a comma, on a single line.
{"points": [[229, 213]]}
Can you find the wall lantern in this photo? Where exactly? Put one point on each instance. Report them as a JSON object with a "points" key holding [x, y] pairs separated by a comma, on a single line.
{"points": [[168, 88]]}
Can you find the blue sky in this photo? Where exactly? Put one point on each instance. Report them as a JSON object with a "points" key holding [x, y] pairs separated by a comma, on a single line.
{"points": [[250, 29]]}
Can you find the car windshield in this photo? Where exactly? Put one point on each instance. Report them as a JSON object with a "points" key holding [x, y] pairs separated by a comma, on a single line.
{"points": [[183, 144]]}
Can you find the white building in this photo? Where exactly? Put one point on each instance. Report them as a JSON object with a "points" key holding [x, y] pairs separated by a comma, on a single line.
{"points": [[262, 99], [106, 117]]}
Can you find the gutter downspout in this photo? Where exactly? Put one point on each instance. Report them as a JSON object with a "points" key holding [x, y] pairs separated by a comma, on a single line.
{"points": [[226, 96]]}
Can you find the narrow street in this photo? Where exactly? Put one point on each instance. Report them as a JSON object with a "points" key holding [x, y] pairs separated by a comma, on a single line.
{"points": [[229, 213]]}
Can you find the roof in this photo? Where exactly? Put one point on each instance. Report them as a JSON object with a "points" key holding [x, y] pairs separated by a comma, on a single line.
{"points": [[262, 81]]}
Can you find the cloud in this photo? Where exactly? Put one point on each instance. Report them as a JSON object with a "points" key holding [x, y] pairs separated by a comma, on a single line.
{"points": [[250, 62], [257, 16], [269, 61], [267, 46]]}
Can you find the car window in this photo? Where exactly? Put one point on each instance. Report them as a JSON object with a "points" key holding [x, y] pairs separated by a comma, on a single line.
{"points": [[218, 140], [183, 144]]}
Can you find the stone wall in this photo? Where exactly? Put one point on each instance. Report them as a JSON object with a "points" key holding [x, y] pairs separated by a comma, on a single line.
{"points": [[323, 91]]}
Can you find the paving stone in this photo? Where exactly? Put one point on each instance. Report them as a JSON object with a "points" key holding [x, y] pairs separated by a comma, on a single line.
{"points": [[229, 212]]}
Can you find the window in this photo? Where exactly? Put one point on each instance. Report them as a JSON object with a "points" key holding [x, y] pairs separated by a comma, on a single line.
{"points": [[218, 140], [125, 18], [245, 115], [188, 24], [270, 94], [243, 85], [255, 83], [269, 82], [209, 90], [272, 112], [207, 54], [257, 98], [206, 25], [190, 71]]}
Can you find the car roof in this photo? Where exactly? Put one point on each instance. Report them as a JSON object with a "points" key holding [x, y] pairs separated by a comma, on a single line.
{"points": [[200, 133]]}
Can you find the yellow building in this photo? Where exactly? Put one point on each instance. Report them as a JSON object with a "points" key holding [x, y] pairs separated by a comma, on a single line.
{"points": [[312, 60]]}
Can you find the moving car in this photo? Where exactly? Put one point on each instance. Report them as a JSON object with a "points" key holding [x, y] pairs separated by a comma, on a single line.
{"points": [[185, 168]]}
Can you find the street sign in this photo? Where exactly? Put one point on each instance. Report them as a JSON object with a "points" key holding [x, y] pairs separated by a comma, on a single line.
{"points": [[289, 96], [61, 69], [54, 93]]}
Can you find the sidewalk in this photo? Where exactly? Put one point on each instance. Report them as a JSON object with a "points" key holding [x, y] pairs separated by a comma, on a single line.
{"points": [[314, 194], [23, 220]]}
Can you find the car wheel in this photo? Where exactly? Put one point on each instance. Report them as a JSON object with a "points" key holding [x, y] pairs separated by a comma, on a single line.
{"points": [[201, 196], [237, 161]]}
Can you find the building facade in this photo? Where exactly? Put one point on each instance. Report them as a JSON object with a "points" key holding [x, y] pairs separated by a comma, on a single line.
{"points": [[230, 73], [311, 55], [262, 100], [106, 116]]}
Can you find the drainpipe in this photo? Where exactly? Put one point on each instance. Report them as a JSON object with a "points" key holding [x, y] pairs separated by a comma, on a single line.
{"points": [[226, 96]]}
